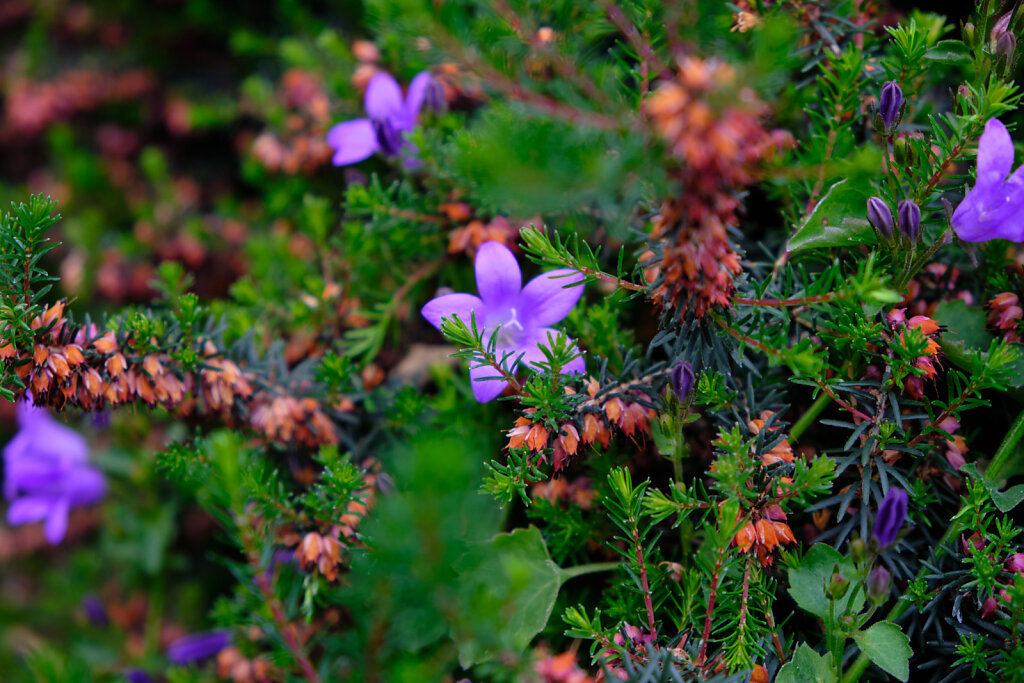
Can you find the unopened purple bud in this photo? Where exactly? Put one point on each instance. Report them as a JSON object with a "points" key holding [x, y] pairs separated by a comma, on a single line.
{"points": [[909, 214], [879, 582], [94, 610], [196, 646], [388, 138], [1006, 45], [434, 98], [137, 676], [891, 515], [682, 380], [889, 104], [1002, 25], [880, 216], [1016, 563]]}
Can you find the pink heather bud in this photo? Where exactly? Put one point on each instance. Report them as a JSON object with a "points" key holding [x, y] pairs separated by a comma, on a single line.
{"points": [[1016, 563], [989, 608]]}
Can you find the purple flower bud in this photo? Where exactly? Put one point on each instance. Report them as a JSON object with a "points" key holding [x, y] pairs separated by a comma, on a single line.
{"points": [[682, 380], [910, 219], [880, 216], [388, 138], [1006, 45], [137, 676], [196, 646], [1016, 563], [94, 610], [434, 97], [891, 515], [889, 104], [837, 586], [879, 582], [1001, 26]]}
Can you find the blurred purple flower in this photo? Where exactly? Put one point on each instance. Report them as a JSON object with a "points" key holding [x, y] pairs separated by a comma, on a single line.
{"points": [[196, 646], [46, 473], [992, 208], [390, 115], [521, 316], [137, 676], [891, 514], [94, 610]]}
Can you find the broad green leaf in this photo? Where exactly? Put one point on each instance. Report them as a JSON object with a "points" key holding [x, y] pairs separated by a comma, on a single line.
{"points": [[888, 647], [507, 589], [807, 666], [1004, 500], [837, 221], [964, 324], [949, 52], [807, 581]]}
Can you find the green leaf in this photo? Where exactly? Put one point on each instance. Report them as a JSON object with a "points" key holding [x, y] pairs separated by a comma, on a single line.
{"points": [[832, 223], [507, 589], [888, 647], [965, 324], [807, 581], [949, 52], [1004, 500], [807, 666]]}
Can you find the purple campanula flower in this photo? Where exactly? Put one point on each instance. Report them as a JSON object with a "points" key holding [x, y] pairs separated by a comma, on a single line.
{"points": [[196, 646], [891, 515], [880, 216], [46, 472], [94, 610], [137, 676], [682, 380], [521, 316], [890, 101], [909, 215], [390, 115], [992, 209]]}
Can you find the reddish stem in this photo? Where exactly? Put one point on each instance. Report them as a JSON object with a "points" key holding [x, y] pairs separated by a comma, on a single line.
{"points": [[713, 594], [643, 579]]}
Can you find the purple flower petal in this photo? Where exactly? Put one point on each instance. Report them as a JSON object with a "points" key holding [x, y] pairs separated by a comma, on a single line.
{"points": [[414, 98], [995, 153], [486, 390], [196, 646], [533, 355], [545, 300], [384, 97], [462, 305], [352, 141], [30, 509], [85, 486], [497, 274], [57, 522]]}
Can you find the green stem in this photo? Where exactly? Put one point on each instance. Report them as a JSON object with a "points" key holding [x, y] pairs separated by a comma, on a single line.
{"points": [[154, 616], [594, 568], [1002, 456], [809, 416], [1006, 448]]}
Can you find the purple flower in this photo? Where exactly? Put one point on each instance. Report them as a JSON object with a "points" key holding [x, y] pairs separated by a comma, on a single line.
{"points": [[94, 610], [891, 515], [46, 473], [137, 676], [196, 646], [889, 104], [682, 380], [880, 216], [390, 115], [992, 208], [909, 215], [520, 316]]}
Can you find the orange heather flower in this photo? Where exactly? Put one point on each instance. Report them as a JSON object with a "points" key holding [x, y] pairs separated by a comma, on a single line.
{"points": [[763, 536], [781, 452], [1006, 315]]}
